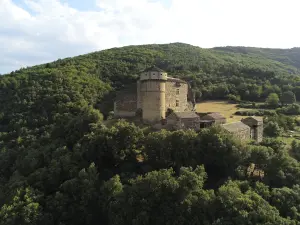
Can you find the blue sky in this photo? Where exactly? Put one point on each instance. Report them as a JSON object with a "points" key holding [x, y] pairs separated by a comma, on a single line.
{"points": [[38, 31]]}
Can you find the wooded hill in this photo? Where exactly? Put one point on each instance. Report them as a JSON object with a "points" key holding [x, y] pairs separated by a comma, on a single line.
{"points": [[59, 163]]}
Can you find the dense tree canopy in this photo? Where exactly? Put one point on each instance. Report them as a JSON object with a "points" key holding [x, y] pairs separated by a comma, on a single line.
{"points": [[62, 163]]}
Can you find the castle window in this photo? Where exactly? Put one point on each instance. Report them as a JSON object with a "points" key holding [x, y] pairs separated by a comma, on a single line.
{"points": [[177, 103], [177, 91]]}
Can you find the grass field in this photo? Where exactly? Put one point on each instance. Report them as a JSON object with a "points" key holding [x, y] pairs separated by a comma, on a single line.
{"points": [[225, 108]]}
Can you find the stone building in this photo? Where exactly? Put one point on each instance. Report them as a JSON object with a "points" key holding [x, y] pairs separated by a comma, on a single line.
{"points": [[248, 128], [211, 119], [125, 102], [152, 95], [256, 126], [155, 94], [184, 120], [238, 129]]}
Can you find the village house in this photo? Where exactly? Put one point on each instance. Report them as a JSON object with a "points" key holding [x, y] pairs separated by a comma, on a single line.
{"points": [[184, 120], [211, 119], [238, 129]]}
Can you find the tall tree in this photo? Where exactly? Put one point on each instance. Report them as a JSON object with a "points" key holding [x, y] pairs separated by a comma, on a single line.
{"points": [[273, 100]]}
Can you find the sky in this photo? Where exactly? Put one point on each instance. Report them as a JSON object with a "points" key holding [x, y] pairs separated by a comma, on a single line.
{"points": [[39, 31]]}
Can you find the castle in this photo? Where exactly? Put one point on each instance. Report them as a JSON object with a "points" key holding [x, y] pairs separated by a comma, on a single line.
{"points": [[153, 95], [161, 100]]}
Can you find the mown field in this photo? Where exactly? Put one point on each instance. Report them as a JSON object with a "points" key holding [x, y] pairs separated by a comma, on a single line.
{"points": [[226, 109]]}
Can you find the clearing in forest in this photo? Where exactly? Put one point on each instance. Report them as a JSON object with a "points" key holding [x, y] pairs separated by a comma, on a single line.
{"points": [[226, 109]]}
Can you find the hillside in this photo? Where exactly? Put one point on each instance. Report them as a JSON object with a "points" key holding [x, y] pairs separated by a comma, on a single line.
{"points": [[286, 56], [213, 73], [61, 165]]}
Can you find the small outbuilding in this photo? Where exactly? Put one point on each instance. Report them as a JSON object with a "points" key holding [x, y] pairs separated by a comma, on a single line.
{"points": [[256, 126], [238, 129], [212, 118], [184, 120]]}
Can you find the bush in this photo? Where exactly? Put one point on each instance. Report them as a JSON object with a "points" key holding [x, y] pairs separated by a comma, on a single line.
{"points": [[259, 112], [293, 109], [233, 98], [295, 150], [272, 129]]}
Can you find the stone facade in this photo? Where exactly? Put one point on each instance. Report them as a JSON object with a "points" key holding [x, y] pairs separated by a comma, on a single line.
{"points": [[248, 128], [176, 95], [125, 104], [256, 125], [184, 120], [155, 93], [238, 129], [214, 118]]}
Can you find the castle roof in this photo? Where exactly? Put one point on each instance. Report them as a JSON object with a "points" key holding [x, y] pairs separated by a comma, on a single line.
{"points": [[236, 126], [153, 69], [186, 115]]}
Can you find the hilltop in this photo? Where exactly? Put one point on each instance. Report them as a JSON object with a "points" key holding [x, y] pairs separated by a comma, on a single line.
{"points": [[212, 73], [61, 163]]}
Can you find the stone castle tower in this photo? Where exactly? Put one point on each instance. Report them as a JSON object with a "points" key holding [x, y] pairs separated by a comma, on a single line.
{"points": [[151, 94]]}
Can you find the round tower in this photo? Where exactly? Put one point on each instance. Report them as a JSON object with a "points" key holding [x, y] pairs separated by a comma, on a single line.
{"points": [[152, 94]]}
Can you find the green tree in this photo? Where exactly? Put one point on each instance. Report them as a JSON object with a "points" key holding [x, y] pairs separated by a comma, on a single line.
{"points": [[238, 207], [272, 129], [22, 209], [288, 97], [272, 100], [295, 149]]}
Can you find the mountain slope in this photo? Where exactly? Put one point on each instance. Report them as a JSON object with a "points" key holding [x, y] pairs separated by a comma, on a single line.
{"points": [[117, 63], [286, 56]]}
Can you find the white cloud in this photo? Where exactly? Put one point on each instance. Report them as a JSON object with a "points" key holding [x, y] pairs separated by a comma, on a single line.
{"points": [[50, 29]]}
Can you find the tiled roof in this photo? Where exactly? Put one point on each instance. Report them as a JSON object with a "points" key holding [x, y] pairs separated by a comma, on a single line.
{"points": [[186, 115], [236, 126], [216, 115]]}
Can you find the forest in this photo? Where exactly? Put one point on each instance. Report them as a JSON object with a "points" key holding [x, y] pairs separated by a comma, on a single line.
{"points": [[61, 163]]}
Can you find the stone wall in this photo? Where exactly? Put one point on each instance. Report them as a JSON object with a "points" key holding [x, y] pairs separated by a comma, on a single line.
{"points": [[183, 123], [126, 102], [125, 105], [260, 133], [242, 134], [174, 93], [238, 129], [152, 95], [191, 123], [256, 125], [173, 121]]}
